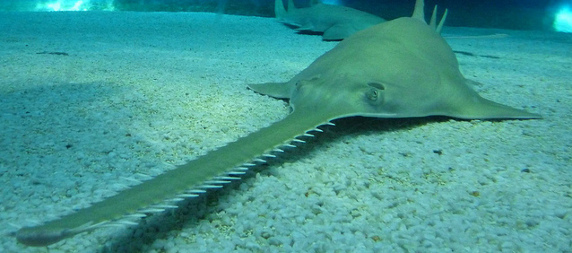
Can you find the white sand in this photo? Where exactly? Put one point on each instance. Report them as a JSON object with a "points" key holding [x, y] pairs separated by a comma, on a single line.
{"points": [[140, 91]]}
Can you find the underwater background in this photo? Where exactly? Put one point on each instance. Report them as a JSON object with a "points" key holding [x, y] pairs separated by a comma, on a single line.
{"points": [[508, 14], [95, 93]]}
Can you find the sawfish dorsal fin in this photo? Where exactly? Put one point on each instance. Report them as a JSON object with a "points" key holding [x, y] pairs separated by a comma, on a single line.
{"points": [[419, 13]]}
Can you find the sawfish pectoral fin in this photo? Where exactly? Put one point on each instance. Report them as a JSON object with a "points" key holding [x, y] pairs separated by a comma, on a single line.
{"points": [[473, 106], [338, 32], [277, 90]]}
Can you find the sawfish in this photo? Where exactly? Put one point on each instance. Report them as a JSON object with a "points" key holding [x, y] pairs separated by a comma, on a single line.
{"points": [[397, 69], [335, 22]]}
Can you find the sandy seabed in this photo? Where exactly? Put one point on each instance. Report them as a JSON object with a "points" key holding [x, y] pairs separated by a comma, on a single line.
{"points": [[90, 99]]}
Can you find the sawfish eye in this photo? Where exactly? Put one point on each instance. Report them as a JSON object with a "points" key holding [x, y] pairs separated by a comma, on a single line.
{"points": [[299, 85], [374, 92]]}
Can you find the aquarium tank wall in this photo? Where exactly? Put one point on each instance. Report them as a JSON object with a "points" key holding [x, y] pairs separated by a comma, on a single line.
{"points": [[507, 14]]}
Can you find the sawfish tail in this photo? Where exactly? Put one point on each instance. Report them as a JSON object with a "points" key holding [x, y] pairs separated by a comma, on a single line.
{"points": [[209, 171]]}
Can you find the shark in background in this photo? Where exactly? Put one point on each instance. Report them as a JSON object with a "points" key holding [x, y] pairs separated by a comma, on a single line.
{"points": [[334, 22]]}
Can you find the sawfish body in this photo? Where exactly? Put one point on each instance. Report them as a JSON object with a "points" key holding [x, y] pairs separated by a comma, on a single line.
{"points": [[401, 68], [335, 22]]}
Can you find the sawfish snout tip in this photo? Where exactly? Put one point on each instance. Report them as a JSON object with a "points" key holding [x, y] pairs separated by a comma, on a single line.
{"points": [[32, 237]]}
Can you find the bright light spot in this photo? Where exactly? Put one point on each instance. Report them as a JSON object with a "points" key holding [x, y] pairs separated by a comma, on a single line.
{"points": [[334, 2], [77, 6], [563, 20], [63, 5], [54, 6], [74, 5]]}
